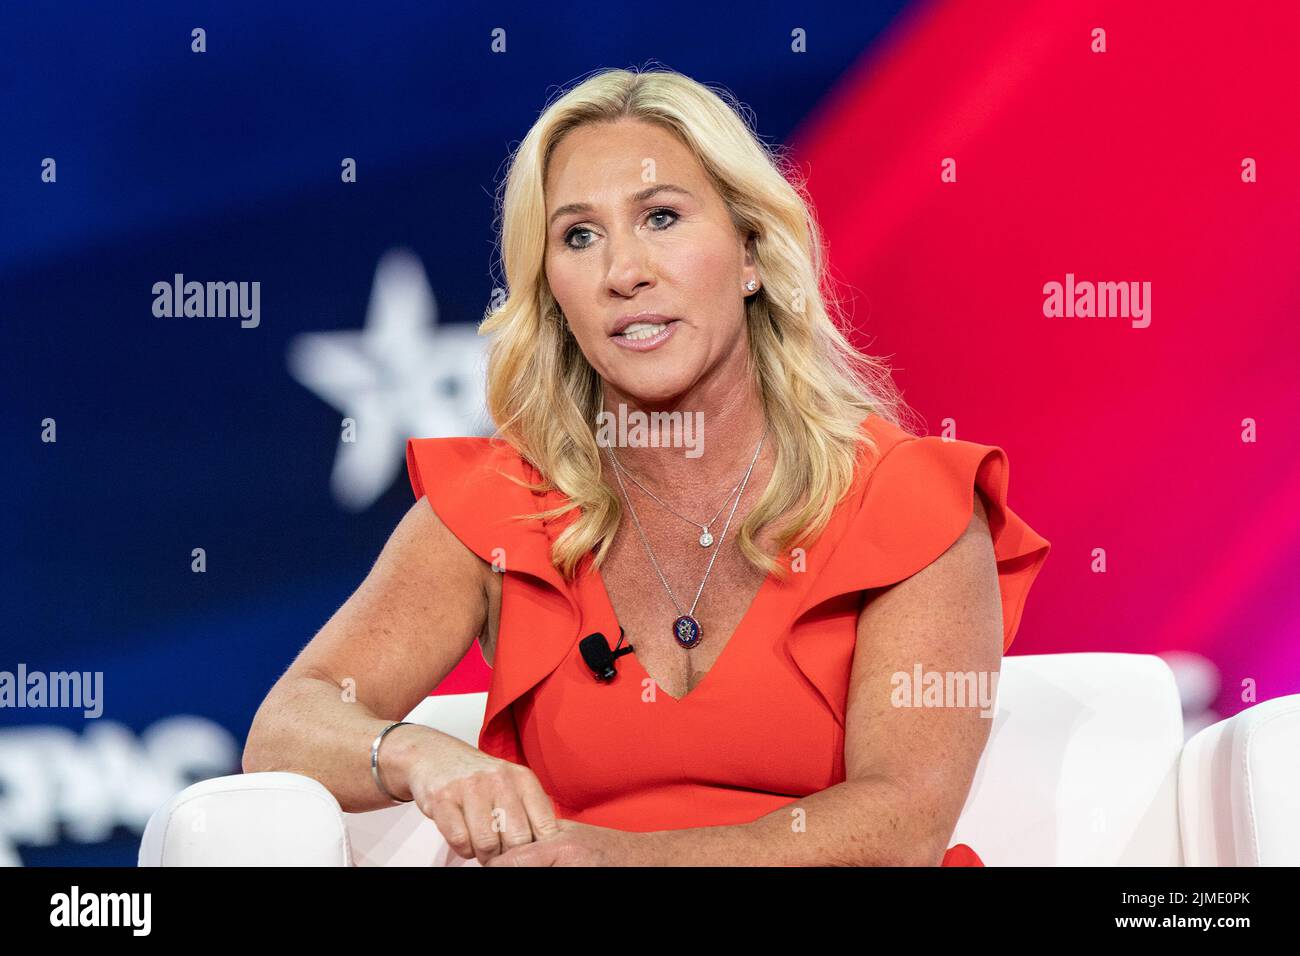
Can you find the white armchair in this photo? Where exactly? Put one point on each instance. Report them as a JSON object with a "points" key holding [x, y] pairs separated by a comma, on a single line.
{"points": [[1086, 765]]}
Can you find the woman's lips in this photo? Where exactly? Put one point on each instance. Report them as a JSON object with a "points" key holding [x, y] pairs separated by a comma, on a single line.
{"points": [[646, 344]]}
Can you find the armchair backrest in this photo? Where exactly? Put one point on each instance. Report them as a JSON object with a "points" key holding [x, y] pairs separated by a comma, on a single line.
{"points": [[1081, 767]]}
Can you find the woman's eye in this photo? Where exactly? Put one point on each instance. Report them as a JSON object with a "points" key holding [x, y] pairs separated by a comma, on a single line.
{"points": [[664, 212], [653, 215], [570, 234]]}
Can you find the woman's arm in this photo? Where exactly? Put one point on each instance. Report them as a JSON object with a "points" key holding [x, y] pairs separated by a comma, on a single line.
{"points": [[909, 769], [404, 629]]}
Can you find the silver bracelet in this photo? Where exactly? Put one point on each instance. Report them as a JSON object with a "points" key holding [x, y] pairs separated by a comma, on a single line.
{"points": [[374, 760]]}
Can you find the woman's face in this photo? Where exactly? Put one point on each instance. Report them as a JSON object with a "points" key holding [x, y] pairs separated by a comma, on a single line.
{"points": [[653, 235]]}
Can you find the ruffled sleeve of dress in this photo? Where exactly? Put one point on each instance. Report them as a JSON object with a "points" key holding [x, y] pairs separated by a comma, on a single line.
{"points": [[465, 481], [912, 502], [918, 499]]}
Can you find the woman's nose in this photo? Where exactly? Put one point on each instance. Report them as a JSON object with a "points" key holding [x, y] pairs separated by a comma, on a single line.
{"points": [[629, 262]]}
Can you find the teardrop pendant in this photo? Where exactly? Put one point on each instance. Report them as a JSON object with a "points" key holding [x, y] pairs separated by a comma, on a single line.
{"points": [[706, 539], [686, 630]]}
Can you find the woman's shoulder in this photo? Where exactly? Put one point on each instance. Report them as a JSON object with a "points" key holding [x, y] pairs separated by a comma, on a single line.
{"points": [[917, 498], [461, 459], [883, 436], [925, 467], [475, 484]]}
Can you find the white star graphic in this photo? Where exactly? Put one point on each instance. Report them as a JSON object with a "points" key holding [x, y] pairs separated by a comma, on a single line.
{"points": [[401, 376]]}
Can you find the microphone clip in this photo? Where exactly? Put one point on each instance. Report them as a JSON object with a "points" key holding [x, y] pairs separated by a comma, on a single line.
{"points": [[598, 656]]}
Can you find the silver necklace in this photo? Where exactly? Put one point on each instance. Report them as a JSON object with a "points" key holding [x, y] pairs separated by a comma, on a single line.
{"points": [[686, 629], [706, 536]]}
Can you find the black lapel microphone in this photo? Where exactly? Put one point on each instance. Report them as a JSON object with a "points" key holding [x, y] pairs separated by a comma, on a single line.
{"points": [[596, 652]]}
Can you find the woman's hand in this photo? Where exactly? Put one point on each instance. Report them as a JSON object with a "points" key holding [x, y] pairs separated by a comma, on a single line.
{"points": [[581, 844], [483, 806]]}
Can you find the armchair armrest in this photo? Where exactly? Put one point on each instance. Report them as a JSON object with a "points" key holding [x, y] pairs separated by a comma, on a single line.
{"points": [[251, 819], [286, 819], [1239, 788]]}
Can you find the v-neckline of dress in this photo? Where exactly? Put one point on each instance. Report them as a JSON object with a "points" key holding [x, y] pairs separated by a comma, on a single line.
{"points": [[759, 597], [826, 542]]}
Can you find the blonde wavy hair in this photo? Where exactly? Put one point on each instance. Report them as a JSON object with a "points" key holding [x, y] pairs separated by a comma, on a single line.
{"points": [[816, 388]]}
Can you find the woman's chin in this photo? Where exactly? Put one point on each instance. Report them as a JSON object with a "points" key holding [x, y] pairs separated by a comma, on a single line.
{"points": [[646, 388]]}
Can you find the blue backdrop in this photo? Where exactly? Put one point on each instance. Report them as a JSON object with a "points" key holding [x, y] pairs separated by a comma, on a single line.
{"points": [[180, 433]]}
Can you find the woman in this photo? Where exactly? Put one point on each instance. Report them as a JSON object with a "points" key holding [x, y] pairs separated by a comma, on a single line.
{"points": [[777, 524]]}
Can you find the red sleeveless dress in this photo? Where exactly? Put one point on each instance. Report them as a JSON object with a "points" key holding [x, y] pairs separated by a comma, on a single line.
{"points": [[765, 726]]}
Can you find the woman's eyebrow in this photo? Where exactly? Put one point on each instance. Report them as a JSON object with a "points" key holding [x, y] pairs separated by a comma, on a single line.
{"points": [[636, 197]]}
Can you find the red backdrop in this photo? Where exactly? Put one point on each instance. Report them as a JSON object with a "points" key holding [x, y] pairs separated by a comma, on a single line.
{"points": [[1117, 166]]}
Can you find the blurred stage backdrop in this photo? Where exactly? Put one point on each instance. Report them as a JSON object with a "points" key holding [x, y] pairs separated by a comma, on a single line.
{"points": [[963, 156]]}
